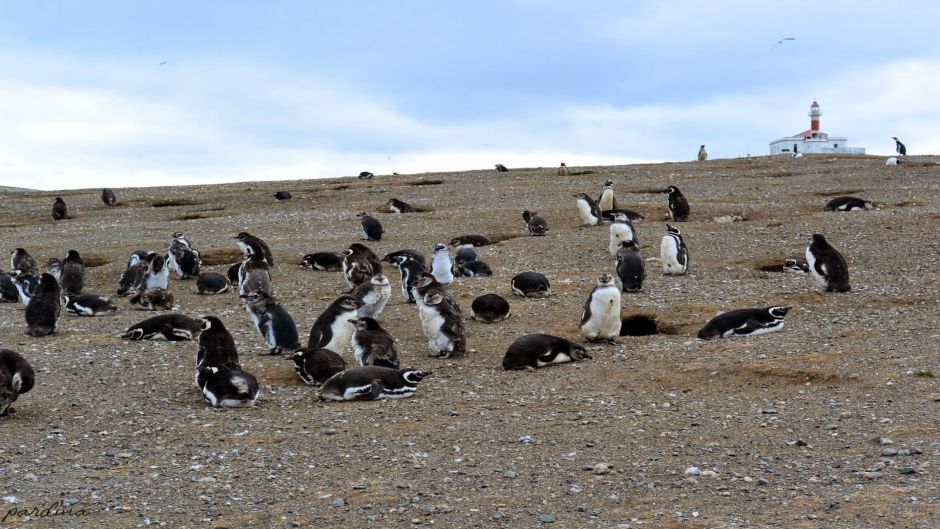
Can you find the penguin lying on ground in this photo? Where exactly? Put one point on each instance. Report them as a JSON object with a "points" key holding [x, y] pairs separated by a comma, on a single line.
{"points": [[530, 285], [744, 322], [323, 261], [316, 366], [848, 204], [472, 240], [210, 283], [399, 206], [227, 387], [89, 305], [539, 350], [171, 327], [372, 383], [489, 308], [153, 299]]}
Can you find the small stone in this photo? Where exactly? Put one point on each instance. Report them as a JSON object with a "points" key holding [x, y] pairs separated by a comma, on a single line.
{"points": [[69, 501], [601, 468], [847, 415], [214, 512], [454, 413], [329, 431], [709, 473], [338, 502], [769, 411], [547, 518], [872, 475], [885, 441], [206, 479], [797, 442], [499, 515], [297, 524], [125, 455], [762, 481], [888, 452], [692, 471], [582, 508], [906, 470], [509, 474]]}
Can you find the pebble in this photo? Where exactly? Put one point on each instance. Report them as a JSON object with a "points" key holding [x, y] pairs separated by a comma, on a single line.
{"points": [[207, 479], [692, 471], [601, 468], [906, 470], [873, 475], [762, 481], [338, 502], [69, 501], [547, 518], [329, 431], [214, 512], [888, 452], [509, 474], [885, 441], [125, 455], [709, 473], [499, 515]]}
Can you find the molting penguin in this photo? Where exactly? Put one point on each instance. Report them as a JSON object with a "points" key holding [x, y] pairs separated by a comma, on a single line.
{"points": [[182, 257], [332, 329], [226, 387], [89, 305], [530, 285], [21, 260], [132, 279], [372, 383], [563, 169], [410, 270], [54, 267], [373, 294], [441, 318], [249, 244], [441, 265], [600, 320], [744, 322], [702, 154], [795, 265], [500, 168], [588, 210], [393, 257], [359, 264], [73, 274], [323, 261], [535, 223], [607, 200], [673, 253], [620, 230], [273, 322], [282, 195], [465, 254], [153, 299], [59, 211], [899, 147], [254, 275], [42, 312], [16, 377], [539, 350], [216, 345], [8, 290], [157, 274], [489, 308], [25, 285], [678, 205], [107, 196], [848, 204], [473, 269], [316, 366], [373, 345], [827, 265], [400, 206], [210, 283], [172, 327], [371, 227], [630, 267], [472, 240]]}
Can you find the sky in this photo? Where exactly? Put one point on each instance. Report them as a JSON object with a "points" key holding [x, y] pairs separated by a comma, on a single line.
{"points": [[128, 94]]}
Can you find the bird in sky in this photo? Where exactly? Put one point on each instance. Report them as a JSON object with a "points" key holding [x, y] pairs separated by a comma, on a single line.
{"points": [[781, 41]]}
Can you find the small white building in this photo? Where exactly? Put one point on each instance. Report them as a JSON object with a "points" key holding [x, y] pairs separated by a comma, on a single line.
{"points": [[813, 140]]}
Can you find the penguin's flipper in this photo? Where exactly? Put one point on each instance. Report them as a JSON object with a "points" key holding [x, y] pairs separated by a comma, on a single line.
{"points": [[748, 327]]}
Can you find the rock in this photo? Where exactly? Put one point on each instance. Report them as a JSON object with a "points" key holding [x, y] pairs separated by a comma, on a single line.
{"points": [[885, 441], [509, 474], [762, 481], [338, 502], [692, 471], [906, 470], [601, 468], [547, 518], [872, 475], [69, 501], [889, 452], [797, 442], [214, 512]]}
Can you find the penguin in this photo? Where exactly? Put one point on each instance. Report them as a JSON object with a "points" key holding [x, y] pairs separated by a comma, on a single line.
{"points": [[588, 210], [796, 152], [607, 200], [632, 215], [16, 377], [59, 211], [399, 206], [21, 260], [535, 223], [539, 350], [182, 257], [795, 265], [678, 205], [848, 204], [441, 318], [107, 196], [25, 285], [249, 244], [212, 283], [373, 345], [8, 290], [323, 261], [137, 256], [282, 195], [232, 273], [410, 270], [373, 294], [600, 320], [489, 308], [371, 227], [366, 175], [827, 265], [899, 147], [132, 279], [372, 383], [153, 299], [54, 267], [157, 274], [216, 345], [563, 169], [673, 253], [500, 168], [441, 265], [89, 305], [620, 230], [73, 274], [473, 269], [42, 312], [894, 160], [316, 366], [254, 275], [530, 285], [744, 322], [359, 264], [630, 267], [465, 254], [472, 240], [172, 327], [226, 387], [332, 329], [272, 321], [393, 257], [702, 154], [357, 272]]}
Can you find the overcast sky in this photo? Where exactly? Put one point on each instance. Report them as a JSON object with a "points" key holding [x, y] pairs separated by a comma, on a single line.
{"points": [[179, 92]]}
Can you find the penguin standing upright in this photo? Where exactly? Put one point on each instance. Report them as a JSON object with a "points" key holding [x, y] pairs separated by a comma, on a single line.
{"points": [[42, 312], [21, 260], [182, 257], [371, 227], [535, 223], [73, 274], [8, 290], [620, 230], [827, 265], [249, 244], [678, 205], [107, 196], [16, 377], [373, 294], [157, 274], [441, 265], [563, 169], [254, 275], [25, 285], [500, 168], [132, 279], [272, 321], [673, 253], [372, 344], [441, 318], [588, 210], [607, 201], [600, 320], [332, 330], [899, 147], [359, 264], [630, 267], [702, 154], [59, 211], [410, 270], [216, 345]]}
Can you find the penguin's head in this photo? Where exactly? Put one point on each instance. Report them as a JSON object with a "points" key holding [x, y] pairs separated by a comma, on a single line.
{"points": [[895, 138], [440, 248], [672, 229], [582, 196], [425, 279], [58, 200], [779, 312], [819, 239], [135, 333], [577, 351], [563, 164], [702, 147], [413, 376], [621, 217], [605, 279], [433, 298], [365, 324], [671, 190], [379, 280], [362, 215], [629, 244], [211, 322], [348, 303], [72, 256], [527, 215], [608, 183]]}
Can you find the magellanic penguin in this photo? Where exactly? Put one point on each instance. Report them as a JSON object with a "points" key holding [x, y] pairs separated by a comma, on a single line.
{"points": [[540, 350], [332, 329], [500, 168], [473, 269], [172, 327], [588, 210], [8, 290], [678, 205], [607, 200], [359, 264], [371, 227], [472, 240], [489, 308], [73, 274], [107, 196], [316, 366], [132, 279], [25, 285], [530, 285], [848, 204], [42, 312], [827, 265], [632, 215], [323, 261], [441, 318], [372, 383], [410, 270], [216, 345], [272, 321], [620, 230], [254, 275], [366, 175], [795, 265], [744, 322], [232, 273], [153, 299], [282, 195], [59, 211], [563, 169], [373, 294], [441, 265], [899, 147], [89, 305], [249, 244], [465, 254], [373, 345], [535, 223], [21, 260], [600, 320], [157, 274], [894, 160], [673, 253], [400, 206], [54, 267], [630, 267], [182, 257], [210, 283], [392, 257], [16, 377], [226, 387], [702, 154]]}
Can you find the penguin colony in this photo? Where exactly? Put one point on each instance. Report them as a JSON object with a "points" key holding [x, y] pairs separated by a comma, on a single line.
{"points": [[352, 322]]}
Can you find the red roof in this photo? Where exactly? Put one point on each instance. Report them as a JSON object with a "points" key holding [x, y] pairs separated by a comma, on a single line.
{"points": [[807, 133]]}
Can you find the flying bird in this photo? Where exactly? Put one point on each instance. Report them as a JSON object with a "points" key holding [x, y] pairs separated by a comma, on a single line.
{"points": [[162, 63], [781, 41]]}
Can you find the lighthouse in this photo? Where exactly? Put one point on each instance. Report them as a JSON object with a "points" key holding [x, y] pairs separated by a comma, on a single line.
{"points": [[813, 140]]}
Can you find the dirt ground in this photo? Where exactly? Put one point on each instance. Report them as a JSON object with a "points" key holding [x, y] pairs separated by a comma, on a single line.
{"points": [[830, 423]]}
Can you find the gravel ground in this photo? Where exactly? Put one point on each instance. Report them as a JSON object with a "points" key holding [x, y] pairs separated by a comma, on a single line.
{"points": [[830, 423]]}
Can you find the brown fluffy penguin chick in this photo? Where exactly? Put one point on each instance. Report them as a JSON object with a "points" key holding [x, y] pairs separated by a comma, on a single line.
{"points": [[372, 344]]}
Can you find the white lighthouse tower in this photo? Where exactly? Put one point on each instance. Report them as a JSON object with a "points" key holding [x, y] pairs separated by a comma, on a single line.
{"points": [[813, 140]]}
